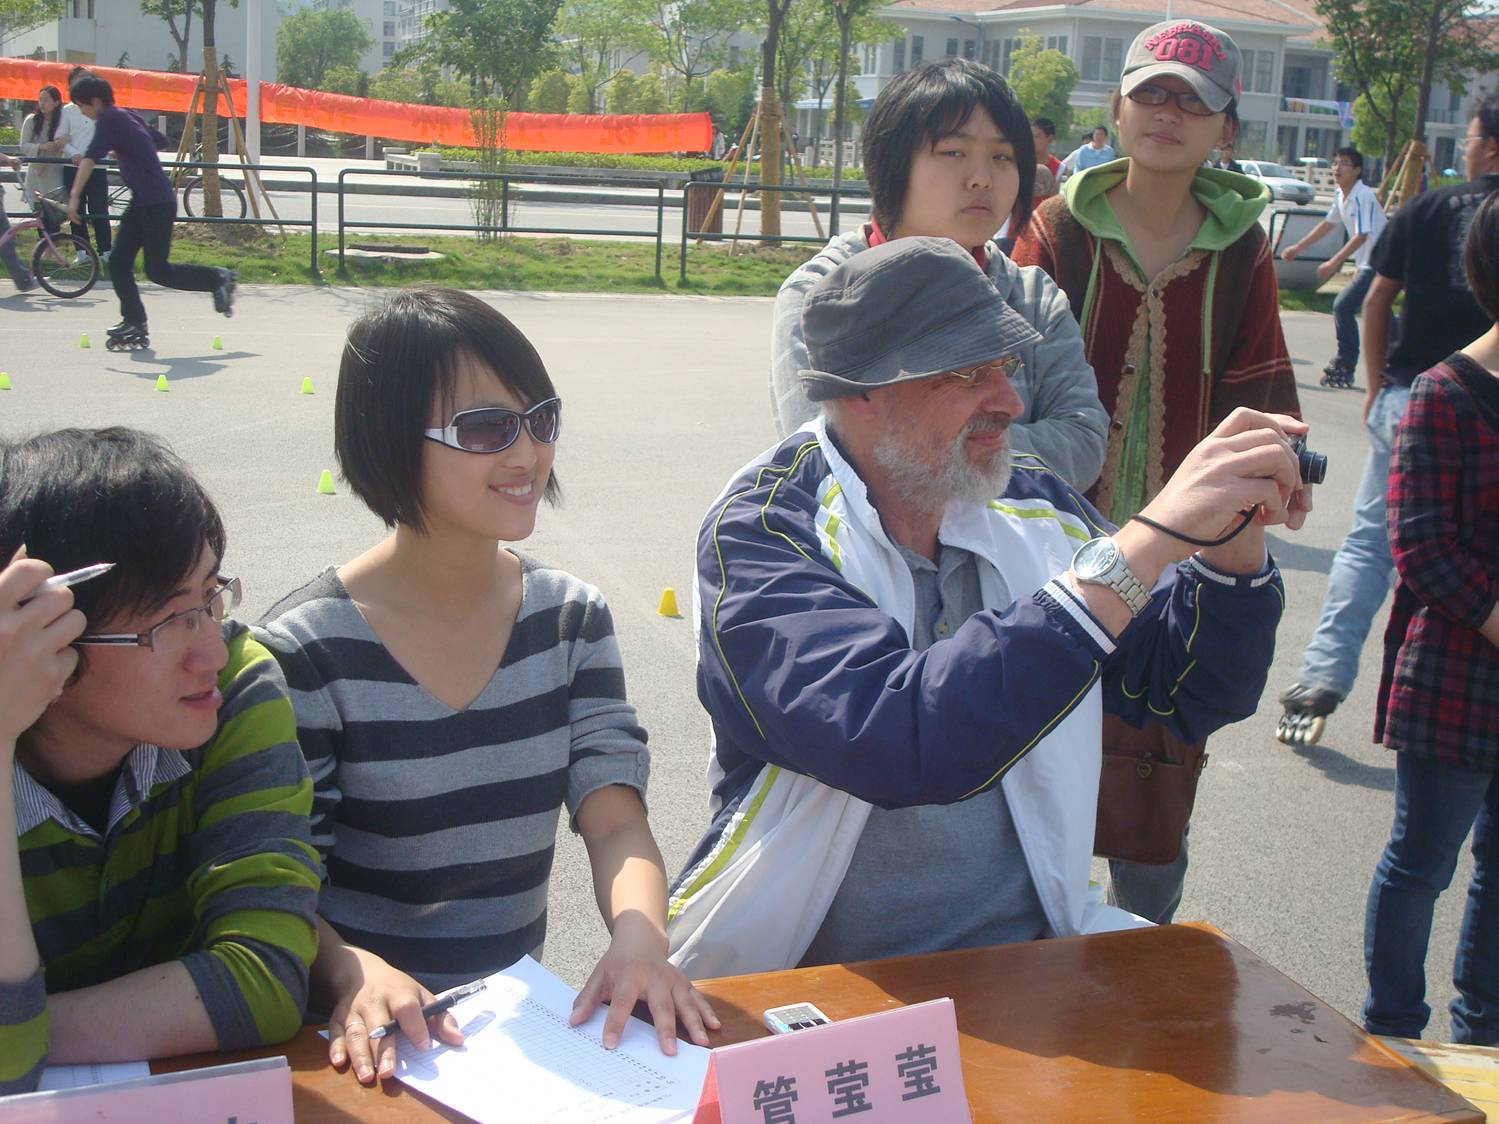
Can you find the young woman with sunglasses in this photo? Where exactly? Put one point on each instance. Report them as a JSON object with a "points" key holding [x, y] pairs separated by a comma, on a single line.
{"points": [[453, 694], [158, 882], [1171, 279]]}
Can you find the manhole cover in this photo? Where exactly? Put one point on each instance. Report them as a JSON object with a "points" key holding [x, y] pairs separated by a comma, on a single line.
{"points": [[389, 248]]}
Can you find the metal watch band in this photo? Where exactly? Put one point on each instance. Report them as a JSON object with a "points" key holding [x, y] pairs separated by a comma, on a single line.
{"points": [[1123, 582]]}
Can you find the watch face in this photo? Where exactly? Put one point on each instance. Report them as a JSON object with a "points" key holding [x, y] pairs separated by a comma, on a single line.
{"points": [[1095, 558]]}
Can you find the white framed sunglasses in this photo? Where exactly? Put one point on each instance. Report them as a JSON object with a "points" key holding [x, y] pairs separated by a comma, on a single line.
{"points": [[493, 429]]}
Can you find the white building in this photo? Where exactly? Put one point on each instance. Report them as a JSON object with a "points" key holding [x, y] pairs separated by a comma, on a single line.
{"points": [[117, 33]]}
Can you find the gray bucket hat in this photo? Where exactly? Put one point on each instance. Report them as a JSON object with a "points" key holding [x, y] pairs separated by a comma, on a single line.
{"points": [[907, 309]]}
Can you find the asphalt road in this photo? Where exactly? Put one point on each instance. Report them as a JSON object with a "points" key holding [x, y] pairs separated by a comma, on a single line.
{"points": [[666, 397]]}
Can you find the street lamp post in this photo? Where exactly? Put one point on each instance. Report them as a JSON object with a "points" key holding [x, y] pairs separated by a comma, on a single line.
{"points": [[977, 24]]}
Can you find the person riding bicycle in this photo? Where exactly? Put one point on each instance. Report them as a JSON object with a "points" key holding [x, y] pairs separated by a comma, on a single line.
{"points": [[18, 272], [146, 224]]}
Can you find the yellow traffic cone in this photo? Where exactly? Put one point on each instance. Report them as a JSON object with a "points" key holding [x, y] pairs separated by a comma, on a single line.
{"points": [[161, 384], [218, 344], [4, 380], [307, 384], [668, 605], [83, 342], [325, 484]]}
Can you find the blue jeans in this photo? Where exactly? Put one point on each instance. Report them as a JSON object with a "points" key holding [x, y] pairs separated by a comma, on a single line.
{"points": [[1362, 570], [1345, 310], [8, 256], [1435, 805], [1153, 891]]}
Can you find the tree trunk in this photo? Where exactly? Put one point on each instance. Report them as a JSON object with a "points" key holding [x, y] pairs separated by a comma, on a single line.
{"points": [[845, 33], [213, 205], [1428, 61], [770, 122]]}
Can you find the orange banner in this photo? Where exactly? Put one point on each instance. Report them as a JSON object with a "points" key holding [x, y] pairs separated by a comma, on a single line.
{"points": [[423, 124]]}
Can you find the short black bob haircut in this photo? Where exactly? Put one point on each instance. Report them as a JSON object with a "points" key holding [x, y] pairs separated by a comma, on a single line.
{"points": [[402, 357], [919, 108], [90, 87], [80, 496], [1352, 155], [1481, 256]]}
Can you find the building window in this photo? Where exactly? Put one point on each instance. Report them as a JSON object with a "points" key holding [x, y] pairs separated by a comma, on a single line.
{"points": [[952, 44], [871, 60], [1103, 59], [90, 9], [970, 49], [390, 28], [390, 49], [991, 54], [733, 56], [918, 49], [1251, 142], [1259, 67], [1056, 43], [1007, 54], [390, 8], [900, 55]]}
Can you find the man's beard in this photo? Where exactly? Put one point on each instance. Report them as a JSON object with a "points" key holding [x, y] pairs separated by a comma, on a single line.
{"points": [[902, 456]]}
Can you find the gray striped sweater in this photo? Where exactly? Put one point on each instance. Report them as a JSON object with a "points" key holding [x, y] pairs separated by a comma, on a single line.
{"points": [[437, 826]]}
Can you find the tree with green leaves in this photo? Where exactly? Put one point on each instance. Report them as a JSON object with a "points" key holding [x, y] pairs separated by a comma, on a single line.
{"points": [[345, 79], [178, 16], [498, 46], [549, 92], [1042, 78], [1371, 123], [580, 99], [731, 99], [1392, 50], [688, 38], [310, 43], [591, 33], [17, 16]]}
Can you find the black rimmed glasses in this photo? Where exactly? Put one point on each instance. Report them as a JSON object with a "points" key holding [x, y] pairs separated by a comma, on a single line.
{"points": [[493, 429], [1009, 367], [179, 629], [1188, 102]]}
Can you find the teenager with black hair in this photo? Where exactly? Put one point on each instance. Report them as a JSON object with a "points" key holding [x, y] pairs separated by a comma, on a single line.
{"points": [[948, 153], [157, 876], [1439, 691], [146, 225], [454, 694]]}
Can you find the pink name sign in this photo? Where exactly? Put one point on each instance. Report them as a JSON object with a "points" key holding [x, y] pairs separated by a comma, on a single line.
{"points": [[253, 1092], [896, 1067]]}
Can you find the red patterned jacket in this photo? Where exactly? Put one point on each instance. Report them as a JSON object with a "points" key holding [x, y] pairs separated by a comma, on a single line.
{"points": [[1439, 693]]}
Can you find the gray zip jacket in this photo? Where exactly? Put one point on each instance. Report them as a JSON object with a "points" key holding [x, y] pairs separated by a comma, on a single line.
{"points": [[1065, 424]]}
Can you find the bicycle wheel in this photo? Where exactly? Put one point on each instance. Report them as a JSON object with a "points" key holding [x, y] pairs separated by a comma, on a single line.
{"points": [[231, 195], [57, 266]]}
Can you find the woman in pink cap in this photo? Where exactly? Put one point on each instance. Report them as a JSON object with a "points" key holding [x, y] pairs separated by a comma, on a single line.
{"points": [[1171, 279]]}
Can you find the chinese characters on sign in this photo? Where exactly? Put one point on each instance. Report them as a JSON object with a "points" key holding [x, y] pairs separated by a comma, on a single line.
{"points": [[848, 1086]]}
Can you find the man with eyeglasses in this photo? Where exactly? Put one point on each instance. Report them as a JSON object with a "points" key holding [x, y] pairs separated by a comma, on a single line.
{"points": [[157, 876], [906, 681], [1420, 253]]}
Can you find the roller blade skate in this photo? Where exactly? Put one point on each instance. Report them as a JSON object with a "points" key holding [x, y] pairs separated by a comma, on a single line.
{"points": [[126, 336], [223, 293], [1335, 376], [1306, 714]]}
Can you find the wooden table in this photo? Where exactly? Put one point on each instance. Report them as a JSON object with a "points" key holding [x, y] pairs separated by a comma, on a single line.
{"points": [[1171, 1024]]}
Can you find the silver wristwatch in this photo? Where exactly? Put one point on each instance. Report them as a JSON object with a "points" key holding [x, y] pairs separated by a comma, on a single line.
{"points": [[1099, 562]]}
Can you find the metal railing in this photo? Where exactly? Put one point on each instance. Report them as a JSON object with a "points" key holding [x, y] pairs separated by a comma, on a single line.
{"points": [[832, 199], [505, 181], [174, 168]]}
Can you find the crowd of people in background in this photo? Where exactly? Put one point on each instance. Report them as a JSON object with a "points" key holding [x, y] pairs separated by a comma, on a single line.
{"points": [[1014, 524]]}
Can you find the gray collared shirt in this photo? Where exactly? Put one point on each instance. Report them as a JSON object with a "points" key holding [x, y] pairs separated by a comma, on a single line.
{"points": [[146, 767], [934, 877]]}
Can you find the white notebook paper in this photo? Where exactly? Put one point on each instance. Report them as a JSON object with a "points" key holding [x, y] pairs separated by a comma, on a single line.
{"points": [[522, 1064]]}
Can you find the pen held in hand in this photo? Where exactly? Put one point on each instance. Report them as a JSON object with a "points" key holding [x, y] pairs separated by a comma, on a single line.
{"points": [[72, 578], [443, 1003]]}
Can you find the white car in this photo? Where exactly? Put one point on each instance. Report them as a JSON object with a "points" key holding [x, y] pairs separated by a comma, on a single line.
{"points": [[1279, 179]]}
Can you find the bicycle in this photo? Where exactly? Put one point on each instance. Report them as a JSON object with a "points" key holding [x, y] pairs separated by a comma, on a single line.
{"points": [[63, 264]]}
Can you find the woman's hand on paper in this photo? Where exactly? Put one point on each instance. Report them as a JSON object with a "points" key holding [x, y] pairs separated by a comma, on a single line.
{"points": [[635, 969], [381, 994]]}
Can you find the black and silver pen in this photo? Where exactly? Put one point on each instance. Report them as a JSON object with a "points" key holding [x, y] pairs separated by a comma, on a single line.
{"points": [[71, 578], [445, 1002]]}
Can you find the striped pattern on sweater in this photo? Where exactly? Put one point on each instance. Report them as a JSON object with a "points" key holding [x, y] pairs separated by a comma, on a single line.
{"points": [[438, 826], [207, 858]]}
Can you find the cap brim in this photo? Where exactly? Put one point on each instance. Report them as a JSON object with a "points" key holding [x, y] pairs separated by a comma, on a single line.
{"points": [[1215, 96]]}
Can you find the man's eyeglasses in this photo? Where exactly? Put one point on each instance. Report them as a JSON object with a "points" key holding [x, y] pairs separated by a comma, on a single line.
{"points": [[491, 429], [1009, 366], [178, 630], [1186, 101]]}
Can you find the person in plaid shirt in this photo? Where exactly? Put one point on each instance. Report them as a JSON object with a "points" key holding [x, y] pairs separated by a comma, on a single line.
{"points": [[1439, 693]]}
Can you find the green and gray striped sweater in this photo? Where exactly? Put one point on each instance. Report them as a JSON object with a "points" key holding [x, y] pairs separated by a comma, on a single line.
{"points": [[207, 858]]}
